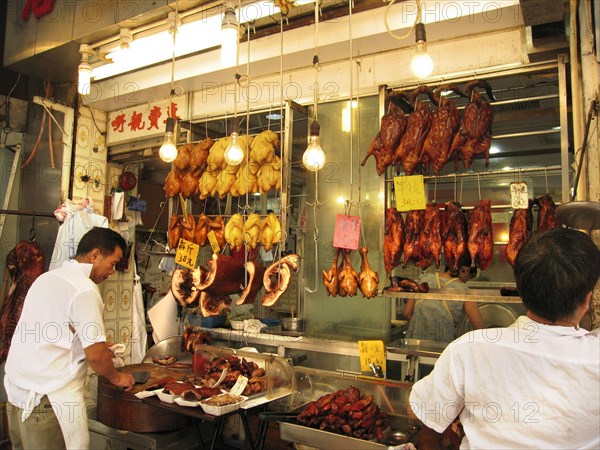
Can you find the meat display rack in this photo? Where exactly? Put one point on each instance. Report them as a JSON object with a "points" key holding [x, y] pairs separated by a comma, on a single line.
{"points": [[474, 295]]}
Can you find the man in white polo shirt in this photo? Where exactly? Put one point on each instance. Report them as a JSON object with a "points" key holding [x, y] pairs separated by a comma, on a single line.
{"points": [[59, 331]]}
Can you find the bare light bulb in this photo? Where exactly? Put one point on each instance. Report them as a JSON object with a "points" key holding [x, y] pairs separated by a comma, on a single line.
{"points": [[421, 64], [85, 78], [168, 150], [314, 156], [234, 154]]}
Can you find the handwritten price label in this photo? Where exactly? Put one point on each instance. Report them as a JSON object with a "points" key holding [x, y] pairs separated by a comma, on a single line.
{"points": [[371, 352], [410, 193], [212, 240], [518, 195], [187, 253], [346, 233]]}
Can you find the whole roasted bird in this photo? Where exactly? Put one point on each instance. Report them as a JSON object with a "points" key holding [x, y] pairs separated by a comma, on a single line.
{"points": [[430, 238], [368, 278], [189, 185], [408, 154], [455, 235], [24, 263], [481, 239], [199, 156], [474, 136], [173, 184], [202, 229], [330, 277], [174, 232], [445, 122], [520, 230], [546, 217], [412, 230], [393, 240], [347, 277], [383, 147], [188, 228]]}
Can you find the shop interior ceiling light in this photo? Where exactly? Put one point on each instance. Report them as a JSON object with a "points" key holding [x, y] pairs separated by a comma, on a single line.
{"points": [[84, 70], [314, 156], [229, 35], [421, 64], [168, 150], [234, 154]]}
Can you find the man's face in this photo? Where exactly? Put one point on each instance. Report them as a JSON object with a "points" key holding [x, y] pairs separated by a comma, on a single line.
{"points": [[103, 265]]}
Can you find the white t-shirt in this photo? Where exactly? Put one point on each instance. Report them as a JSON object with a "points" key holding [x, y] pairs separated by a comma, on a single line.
{"points": [[44, 354], [525, 386]]}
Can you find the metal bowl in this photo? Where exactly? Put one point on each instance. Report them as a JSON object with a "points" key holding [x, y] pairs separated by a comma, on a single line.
{"points": [[395, 438], [292, 324]]}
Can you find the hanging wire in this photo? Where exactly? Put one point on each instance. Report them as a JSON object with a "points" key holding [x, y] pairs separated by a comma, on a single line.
{"points": [[172, 93], [387, 26], [478, 186], [316, 64], [315, 205], [546, 178]]}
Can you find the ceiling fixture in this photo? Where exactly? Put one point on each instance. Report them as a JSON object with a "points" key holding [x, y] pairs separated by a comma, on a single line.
{"points": [[421, 64], [230, 29], [84, 70], [314, 156], [168, 150], [234, 154]]}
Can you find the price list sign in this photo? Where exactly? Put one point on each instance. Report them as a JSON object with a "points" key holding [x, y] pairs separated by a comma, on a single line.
{"points": [[519, 198], [186, 254], [410, 193], [347, 231], [371, 352]]}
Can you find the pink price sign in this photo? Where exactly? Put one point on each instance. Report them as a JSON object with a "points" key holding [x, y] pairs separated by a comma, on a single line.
{"points": [[347, 231]]}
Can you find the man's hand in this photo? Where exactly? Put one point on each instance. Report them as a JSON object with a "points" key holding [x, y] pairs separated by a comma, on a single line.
{"points": [[123, 380]]}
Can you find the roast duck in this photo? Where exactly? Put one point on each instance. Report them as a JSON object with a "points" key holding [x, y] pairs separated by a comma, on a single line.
{"points": [[481, 240], [346, 412], [393, 239], [455, 235], [24, 264], [474, 136], [445, 122], [521, 224], [409, 152], [393, 124]]}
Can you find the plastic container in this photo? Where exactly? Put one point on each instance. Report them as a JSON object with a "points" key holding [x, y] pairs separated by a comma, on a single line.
{"points": [[220, 410], [167, 398]]}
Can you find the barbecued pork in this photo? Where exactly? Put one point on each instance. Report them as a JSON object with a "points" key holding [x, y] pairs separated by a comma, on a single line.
{"points": [[546, 218]]}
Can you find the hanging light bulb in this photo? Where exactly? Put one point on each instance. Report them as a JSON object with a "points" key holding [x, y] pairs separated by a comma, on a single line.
{"points": [[168, 150], [234, 154], [84, 70], [314, 156], [229, 35], [421, 64]]}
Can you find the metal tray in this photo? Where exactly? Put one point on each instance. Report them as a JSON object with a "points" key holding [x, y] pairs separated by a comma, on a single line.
{"points": [[324, 439]]}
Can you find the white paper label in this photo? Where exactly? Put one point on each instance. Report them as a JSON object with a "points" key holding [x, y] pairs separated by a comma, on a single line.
{"points": [[239, 385], [518, 195]]}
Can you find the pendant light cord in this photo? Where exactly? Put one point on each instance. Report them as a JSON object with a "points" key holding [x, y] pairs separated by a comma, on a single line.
{"points": [[172, 92], [387, 26], [316, 60]]}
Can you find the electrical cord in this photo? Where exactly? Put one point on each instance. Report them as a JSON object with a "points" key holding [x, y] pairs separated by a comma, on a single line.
{"points": [[387, 26]]}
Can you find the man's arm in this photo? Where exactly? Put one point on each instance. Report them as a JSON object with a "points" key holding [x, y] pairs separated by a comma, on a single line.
{"points": [[409, 308], [99, 358], [472, 310]]}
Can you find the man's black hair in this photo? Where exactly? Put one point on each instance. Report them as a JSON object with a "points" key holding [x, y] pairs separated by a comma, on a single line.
{"points": [[555, 271], [104, 239]]}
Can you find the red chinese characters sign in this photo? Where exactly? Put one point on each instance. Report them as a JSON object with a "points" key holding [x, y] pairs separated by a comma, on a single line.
{"points": [[144, 121]]}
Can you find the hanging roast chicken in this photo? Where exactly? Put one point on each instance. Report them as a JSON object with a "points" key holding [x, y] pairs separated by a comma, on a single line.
{"points": [[368, 278], [347, 276], [393, 240], [330, 277], [455, 235], [481, 239], [393, 125], [24, 263], [408, 153], [474, 136], [445, 122], [520, 230]]}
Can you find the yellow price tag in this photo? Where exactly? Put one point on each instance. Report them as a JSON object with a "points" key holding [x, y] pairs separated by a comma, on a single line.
{"points": [[186, 254], [212, 240], [410, 193], [371, 352]]}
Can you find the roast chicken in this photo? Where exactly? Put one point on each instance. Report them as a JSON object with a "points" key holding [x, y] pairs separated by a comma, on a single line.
{"points": [[412, 231], [217, 226], [202, 229], [188, 228], [175, 230], [252, 228], [262, 149], [445, 121], [199, 156], [330, 277], [474, 136], [234, 231], [430, 238], [521, 225], [24, 264], [368, 278], [481, 239], [383, 147], [173, 184], [408, 153], [455, 235], [347, 276], [393, 239], [270, 233], [184, 156], [546, 217]]}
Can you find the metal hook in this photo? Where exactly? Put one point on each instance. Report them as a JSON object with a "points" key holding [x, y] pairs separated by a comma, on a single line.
{"points": [[32, 233], [478, 186], [546, 177]]}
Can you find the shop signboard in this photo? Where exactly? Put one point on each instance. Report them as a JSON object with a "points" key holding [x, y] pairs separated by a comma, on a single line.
{"points": [[144, 121]]}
